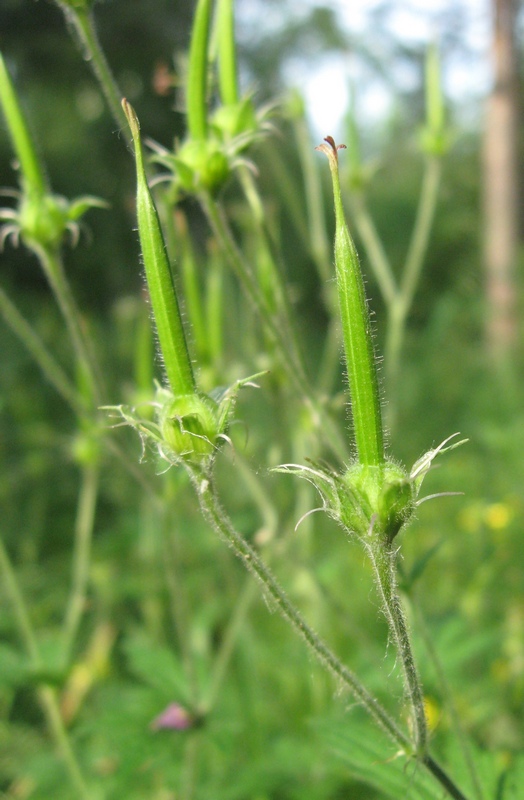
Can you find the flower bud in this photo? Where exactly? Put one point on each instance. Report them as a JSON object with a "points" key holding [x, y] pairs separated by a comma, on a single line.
{"points": [[201, 164], [190, 426], [378, 499]]}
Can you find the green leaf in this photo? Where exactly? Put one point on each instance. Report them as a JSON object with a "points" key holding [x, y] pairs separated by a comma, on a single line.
{"points": [[372, 759], [157, 666]]}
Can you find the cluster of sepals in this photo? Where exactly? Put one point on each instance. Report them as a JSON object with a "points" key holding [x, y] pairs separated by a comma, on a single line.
{"points": [[187, 429], [216, 139], [205, 164], [42, 219], [369, 500]]}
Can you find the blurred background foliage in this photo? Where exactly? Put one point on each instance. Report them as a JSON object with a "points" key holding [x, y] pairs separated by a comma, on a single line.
{"points": [[163, 591]]}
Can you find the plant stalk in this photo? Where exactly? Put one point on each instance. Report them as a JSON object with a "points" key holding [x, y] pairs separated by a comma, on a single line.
{"points": [[51, 370], [85, 517], [81, 20], [53, 268], [46, 694], [217, 518], [383, 559], [400, 308]]}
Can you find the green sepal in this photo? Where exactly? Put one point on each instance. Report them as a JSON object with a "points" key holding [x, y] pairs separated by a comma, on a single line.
{"points": [[43, 220], [378, 500], [370, 501], [201, 164], [188, 428], [236, 119]]}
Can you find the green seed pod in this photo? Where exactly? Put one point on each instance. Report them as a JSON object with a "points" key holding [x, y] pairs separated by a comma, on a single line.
{"points": [[162, 292], [356, 328]]}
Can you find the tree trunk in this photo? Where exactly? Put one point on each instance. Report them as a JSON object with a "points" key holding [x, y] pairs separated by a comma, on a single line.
{"points": [[500, 173]]}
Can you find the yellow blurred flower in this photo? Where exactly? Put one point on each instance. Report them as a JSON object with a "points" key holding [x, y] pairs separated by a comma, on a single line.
{"points": [[498, 516]]}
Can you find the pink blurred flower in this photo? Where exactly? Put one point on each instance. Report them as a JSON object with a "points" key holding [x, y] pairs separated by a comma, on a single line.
{"points": [[174, 717]]}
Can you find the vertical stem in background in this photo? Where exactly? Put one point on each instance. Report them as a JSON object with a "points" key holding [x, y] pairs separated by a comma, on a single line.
{"points": [[30, 169], [81, 20], [316, 224], [51, 370], [81, 557], [46, 694], [55, 723], [227, 72], [401, 302], [53, 268], [197, 72]]}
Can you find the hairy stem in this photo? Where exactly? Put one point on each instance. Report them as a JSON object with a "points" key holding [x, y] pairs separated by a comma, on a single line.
{"points": [[82, 23], [216, 517], [383, 558]]}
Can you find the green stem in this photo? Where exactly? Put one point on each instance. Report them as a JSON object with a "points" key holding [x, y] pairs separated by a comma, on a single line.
{"points": [[227, 61], [215, 305], [46, 694], [423, 223], [245, 275], [178, 601], [196, 91], [188, 778], [30, 169], [49, 702], [443, 778], [400, 308], [383, 558], [177, 229], [51, 370], [81, 20], [81, 556], [216, 517], [269, 279], [229, 640], [21, 613], [53, 268]]}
